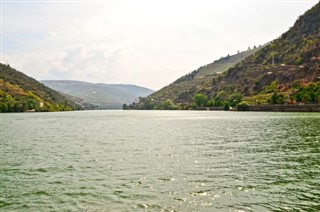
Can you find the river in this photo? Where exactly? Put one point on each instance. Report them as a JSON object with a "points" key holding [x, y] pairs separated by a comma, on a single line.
{"points": [[160, 161]]}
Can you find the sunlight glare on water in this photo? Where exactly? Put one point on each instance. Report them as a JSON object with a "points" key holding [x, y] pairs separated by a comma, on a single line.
{"points": [[160, 160]]}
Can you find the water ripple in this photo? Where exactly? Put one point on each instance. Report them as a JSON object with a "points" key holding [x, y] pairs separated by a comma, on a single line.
{"points": [[160, 161]]}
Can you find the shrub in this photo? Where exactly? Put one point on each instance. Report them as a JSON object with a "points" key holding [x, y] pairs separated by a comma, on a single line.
{"points": [[200, 100], [235, 99], [242, 106], [226, 106], [298, 61]]}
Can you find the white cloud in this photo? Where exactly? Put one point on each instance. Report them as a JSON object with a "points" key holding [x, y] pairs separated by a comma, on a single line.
{"points": [[142, 42]]}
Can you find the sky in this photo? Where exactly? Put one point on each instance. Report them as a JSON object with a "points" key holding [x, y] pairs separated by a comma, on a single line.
{"points": [[148, 43]]}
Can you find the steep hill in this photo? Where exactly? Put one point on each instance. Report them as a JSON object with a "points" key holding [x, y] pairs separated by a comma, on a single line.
{"points": [[19, 93], [102, 96], [285, 65], [293, 56], [200, 79]]}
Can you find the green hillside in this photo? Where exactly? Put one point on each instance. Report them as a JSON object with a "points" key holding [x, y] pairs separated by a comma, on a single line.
{"points": [[20, 93], [98, 95], [285, 67], [182, 90]]}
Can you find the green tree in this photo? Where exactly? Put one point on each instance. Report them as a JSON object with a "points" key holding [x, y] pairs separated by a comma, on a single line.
{"points": [[242, 106], [200, 100], [234, 99], [226, 106], [3, 107], [305, 97], [220, 98], [148, 105], [298, 61], [271, 88], [168, 105], [125, 107], [276, 98]]}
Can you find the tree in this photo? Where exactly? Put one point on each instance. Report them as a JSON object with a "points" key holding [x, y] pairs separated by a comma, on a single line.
{"points": [[276, 98], [298, 61], [226, 106], [3, 107], [234, 99], [125, 107], [148, 105], [242, 106], [220, 98], [200, 100], [168, 105]]}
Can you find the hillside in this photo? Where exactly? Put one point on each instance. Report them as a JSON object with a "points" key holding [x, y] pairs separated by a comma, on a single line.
{"points": [[283, 67], [293, 56], [101, 96], [19, 93], [184, 88]]}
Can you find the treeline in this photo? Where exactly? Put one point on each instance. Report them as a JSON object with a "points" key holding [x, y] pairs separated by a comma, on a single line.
{"points": [[220, 99], [273, 94]]}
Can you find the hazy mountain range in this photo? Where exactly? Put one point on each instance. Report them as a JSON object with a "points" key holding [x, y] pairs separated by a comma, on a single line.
{"points": [[98, 95]]}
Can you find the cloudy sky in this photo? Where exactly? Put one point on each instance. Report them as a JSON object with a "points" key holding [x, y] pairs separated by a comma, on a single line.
{"points": [[145, 42]]}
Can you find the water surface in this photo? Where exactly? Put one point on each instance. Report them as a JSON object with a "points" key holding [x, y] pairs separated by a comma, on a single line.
{"points": [[160, 161]]}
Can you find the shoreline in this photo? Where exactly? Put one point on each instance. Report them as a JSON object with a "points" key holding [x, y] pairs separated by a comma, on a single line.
{"points": [[270, 108], [286, 108]]}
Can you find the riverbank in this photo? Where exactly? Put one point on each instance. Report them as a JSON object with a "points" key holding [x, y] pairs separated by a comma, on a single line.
{"points": [[286, 108], [274, 108]]}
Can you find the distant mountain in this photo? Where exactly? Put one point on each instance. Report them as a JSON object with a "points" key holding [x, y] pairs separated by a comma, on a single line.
{"points": [[283, 69], [19, 93], [102, 96]]}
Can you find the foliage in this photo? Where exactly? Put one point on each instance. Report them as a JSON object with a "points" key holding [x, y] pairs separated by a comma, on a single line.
{"points": [[226, 106], [235, 99], [125, 107], [276, 99], [220, 98], [242, 106], [200, 100], [298, 61], [168, 105], [270, 88], [19, 93], [253, 78], [307, 94]]}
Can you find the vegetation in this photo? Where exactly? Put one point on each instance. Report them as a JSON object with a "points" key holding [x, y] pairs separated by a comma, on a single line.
{"points": [[200, 100], [201, 80], [242, 107], [276, 99], [220, 99], [306, 94], [20, 93], [285, 71], [298, 93]]}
